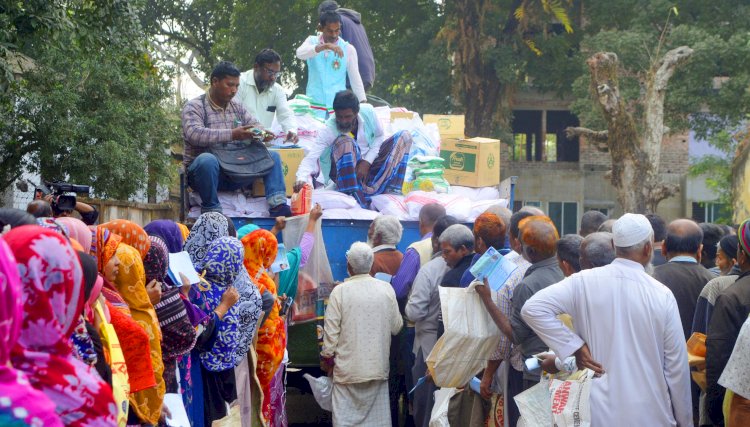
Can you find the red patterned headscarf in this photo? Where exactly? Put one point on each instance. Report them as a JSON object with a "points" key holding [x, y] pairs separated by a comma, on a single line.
{"points": [[52, 281], [104, 246]]}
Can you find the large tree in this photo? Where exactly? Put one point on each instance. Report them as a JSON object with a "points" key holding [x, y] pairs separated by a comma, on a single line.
{"points": [[655, 71], [91, 109]]}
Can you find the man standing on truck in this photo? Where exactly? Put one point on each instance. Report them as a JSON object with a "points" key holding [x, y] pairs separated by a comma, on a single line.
{"points": [[214, 118], [352, 152], [330, 61], [361, 317]]}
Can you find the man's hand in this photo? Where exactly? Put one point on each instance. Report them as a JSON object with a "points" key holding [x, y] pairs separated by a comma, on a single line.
{"points": [[585, 361], [291, 137], [316, 212], [484, 387], [548, 364], [298, 186], [242, 133], [154, 291], [332, 47], [484, 290], [363, 169], [327, 364]]}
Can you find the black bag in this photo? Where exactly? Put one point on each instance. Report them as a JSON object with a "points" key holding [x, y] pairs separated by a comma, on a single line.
{"points": [[241, 162]]}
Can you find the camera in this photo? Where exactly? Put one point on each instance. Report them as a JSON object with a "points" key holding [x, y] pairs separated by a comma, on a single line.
{"points": [[60, 200]]}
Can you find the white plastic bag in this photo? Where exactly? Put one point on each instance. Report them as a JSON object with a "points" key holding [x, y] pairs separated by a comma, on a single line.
{"points": [[570, 400], [534, 405], [322, 388], [439, 414], [316, 274], [456, 206], [470, 338], [391, 204], [328, 199]]}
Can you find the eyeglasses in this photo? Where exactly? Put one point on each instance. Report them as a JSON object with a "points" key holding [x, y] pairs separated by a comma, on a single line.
{"points": [[272, 73]]}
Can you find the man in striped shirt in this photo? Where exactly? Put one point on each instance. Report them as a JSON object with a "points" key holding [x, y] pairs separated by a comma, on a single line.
{"points": [[215, 118]]}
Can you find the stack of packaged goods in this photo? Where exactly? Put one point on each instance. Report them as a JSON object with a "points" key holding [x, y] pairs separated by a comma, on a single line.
{"points": [[426, 174]]}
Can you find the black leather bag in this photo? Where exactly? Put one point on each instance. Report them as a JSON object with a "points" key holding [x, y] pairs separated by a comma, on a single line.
{"points": [[241, 162]]}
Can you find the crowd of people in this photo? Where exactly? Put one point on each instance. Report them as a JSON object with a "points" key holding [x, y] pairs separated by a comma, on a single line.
{"points": [[621, 298], [97, 331]]}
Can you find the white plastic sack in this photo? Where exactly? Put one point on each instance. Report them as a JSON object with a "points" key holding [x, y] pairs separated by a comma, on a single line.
{"points": [[534, 405], [456, 206], [470, 338], [439, 414], [328, 199], [234, 205], [570, 400], [475, 194], [480, 206], [322, 388], [391, 204], [351, 213]]}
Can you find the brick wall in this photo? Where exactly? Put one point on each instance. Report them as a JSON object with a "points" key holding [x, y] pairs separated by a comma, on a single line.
{"points": [[674, 156]]}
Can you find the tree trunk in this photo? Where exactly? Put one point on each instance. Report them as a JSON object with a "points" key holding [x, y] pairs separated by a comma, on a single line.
{"points": [[635, 155], [479, 88]]}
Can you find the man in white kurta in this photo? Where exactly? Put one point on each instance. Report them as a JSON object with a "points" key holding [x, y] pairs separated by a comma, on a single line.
{"points": [[627, 322], [361, 317]]}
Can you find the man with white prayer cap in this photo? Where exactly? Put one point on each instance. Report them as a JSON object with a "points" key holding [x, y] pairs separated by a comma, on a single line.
{"points": [[628, 331]]}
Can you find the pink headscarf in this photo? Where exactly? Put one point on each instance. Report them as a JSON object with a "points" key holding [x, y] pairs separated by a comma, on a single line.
{"points": [[52, 283], [25, 403], [78, 230]]}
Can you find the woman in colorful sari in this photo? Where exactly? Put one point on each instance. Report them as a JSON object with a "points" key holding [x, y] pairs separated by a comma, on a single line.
{"points": [[260, 252], [25, 406], [130, 283], [52, 281]]}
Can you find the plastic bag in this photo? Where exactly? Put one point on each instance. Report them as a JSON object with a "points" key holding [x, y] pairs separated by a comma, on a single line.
{"points": [[322, 388], [391, 204], [570, 400], [470, 338], [456, 206], [439, 414], [534, 405], [317, 271]]}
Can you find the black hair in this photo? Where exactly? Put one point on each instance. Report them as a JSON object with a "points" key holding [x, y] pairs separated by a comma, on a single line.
{"points": [[515, 219], [591, 221], [687, 244], [659, 227], [230, 227], [224, 69], [569, 250], [442, 223], [267, 56], [712, 233], [346, 99], [40, 209], [329, 17], [15, 218], [327, 5]]}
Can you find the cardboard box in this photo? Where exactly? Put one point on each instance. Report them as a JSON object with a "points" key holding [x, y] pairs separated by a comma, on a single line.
{"points": [[448, 126], [471, 162], [408, 115], [290, 161]]}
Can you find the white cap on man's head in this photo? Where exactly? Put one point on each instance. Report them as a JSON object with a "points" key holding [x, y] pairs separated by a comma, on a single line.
{"points": [[630, 230]]}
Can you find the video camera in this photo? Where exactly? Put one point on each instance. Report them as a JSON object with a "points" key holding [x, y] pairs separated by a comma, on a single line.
{"points": [[58, 189]]}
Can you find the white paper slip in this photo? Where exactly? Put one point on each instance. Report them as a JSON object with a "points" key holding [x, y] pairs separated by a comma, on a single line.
{"points": [[181, 263], [494, 267], [178, 418]]}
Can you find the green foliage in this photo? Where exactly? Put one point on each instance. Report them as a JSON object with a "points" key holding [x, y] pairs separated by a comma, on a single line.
{"points": [[92, 109], [717, 170]]}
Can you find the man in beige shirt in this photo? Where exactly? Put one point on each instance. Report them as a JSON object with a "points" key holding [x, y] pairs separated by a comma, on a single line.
{"points": [[361, 317]]}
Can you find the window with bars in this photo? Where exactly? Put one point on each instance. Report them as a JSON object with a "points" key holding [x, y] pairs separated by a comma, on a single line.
{"points": [[565, 216]]}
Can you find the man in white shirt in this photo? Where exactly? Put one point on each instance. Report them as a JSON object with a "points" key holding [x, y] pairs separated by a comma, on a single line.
{"points": [[629, 322], [361, 317], [330, 60], [352, 152], [263, 98]]}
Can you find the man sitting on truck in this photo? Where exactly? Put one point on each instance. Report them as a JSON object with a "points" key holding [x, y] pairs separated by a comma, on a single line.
{"points": [[215, 118], [352, 152]]}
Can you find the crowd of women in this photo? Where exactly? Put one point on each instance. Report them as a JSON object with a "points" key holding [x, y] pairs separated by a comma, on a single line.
{"points": [[95, 332]]}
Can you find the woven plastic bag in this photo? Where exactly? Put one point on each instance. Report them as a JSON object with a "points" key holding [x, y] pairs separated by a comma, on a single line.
{"points": [[570, 400], [315, 275], [470, 338], [534, 405]]}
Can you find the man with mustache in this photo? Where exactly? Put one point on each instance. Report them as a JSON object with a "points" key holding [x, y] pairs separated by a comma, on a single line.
{"points": [[263, 98], [352, 152]]}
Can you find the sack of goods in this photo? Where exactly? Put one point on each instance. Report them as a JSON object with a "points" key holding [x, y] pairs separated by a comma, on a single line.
{"points": [[425, 173]]}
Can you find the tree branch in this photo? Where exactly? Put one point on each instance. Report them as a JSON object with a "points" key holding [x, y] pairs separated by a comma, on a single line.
{"points": [[592, 135], [187, 68], [668, 64]]}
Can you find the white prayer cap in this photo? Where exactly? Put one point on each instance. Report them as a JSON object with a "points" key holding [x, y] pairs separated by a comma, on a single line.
{"points": [[630, 230]]}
